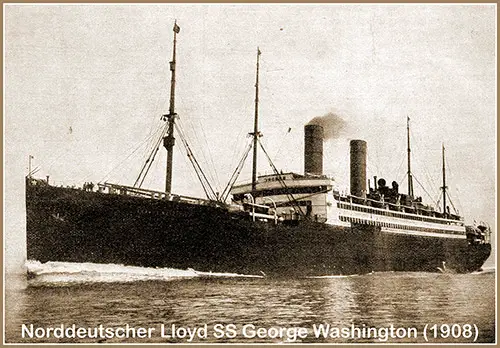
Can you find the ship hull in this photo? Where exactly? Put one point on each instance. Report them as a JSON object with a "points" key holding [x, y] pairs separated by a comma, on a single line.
{"points": [[72, 225]]}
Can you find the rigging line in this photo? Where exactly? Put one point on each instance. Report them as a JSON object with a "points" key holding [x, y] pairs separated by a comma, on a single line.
{"points": [[34, 171], [135, 150], [139, 144], [201, 175], [65, 151], [150, 160], [190, 127], [149, 163], [438, 202], [451, 202], [152, 145], [403, 179], [423, 188], [195, 170], [153, 141], [422, 165], [235, 176], [190, 159], [425, 169], [430, 180], [195, 162], [156, 110], [276, 155], [430, 177], [158, 98], [400, 166], [151, 154], [451, 179], [145, 168], [214, 194], [236, 172], [457, 199], [210, 157], [235, 146], [417, 149], [236, 156], [210, 173], [282, 182]]}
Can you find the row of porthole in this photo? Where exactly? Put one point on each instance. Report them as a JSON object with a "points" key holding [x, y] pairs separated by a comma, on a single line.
{"points": [[391, 225], [392, 214]]}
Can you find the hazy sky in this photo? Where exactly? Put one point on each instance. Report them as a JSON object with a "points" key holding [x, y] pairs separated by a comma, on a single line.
{"points": [[85, 86]]}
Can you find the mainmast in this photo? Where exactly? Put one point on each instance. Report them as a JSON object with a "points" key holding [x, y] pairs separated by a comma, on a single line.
{"points": [[169, 140], [444, 185], [410, 178], [256, 134]]}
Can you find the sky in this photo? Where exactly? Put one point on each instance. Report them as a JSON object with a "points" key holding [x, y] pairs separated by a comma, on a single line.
{"points": [[85, 87]]}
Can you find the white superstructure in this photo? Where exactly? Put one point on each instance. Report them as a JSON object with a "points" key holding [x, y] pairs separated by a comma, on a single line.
{"points": [[317, 200]]}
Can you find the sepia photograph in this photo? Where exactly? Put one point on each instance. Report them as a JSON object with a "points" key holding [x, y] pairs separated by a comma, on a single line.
{"points": [[250, 173]]}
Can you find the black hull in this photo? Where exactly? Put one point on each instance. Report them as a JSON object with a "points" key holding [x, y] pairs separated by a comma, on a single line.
{"points": [[72, 225]]}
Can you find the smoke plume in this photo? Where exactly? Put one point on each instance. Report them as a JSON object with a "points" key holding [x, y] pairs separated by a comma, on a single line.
{"points": [[333, 125]]}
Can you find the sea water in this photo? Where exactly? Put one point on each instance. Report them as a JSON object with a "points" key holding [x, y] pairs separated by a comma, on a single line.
{"points": [[93, 303]]}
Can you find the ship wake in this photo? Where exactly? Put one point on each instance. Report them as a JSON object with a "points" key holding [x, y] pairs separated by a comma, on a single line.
{"points": [[63, 273]]}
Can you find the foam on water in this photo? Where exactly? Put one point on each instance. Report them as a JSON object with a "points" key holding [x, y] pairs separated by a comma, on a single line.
{"points": [[72, 272], [332, 276], [62, 273]]}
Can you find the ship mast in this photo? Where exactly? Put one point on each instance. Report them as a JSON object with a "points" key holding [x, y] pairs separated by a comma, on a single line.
{"points": [[410, 177], [444, 185], [169, 140], [256, 134]]}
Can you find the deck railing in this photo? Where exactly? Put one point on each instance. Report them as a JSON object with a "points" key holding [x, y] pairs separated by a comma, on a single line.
{"points": [[109, 188]]}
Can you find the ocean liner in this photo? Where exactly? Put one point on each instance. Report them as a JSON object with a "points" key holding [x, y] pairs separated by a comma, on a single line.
{"points": [[279, 225]]}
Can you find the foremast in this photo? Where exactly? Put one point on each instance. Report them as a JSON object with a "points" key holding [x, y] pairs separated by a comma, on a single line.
{"points": [[169, 140]]}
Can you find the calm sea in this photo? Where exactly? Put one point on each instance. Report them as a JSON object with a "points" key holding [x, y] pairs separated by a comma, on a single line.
{"points": [[450, 308]]}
